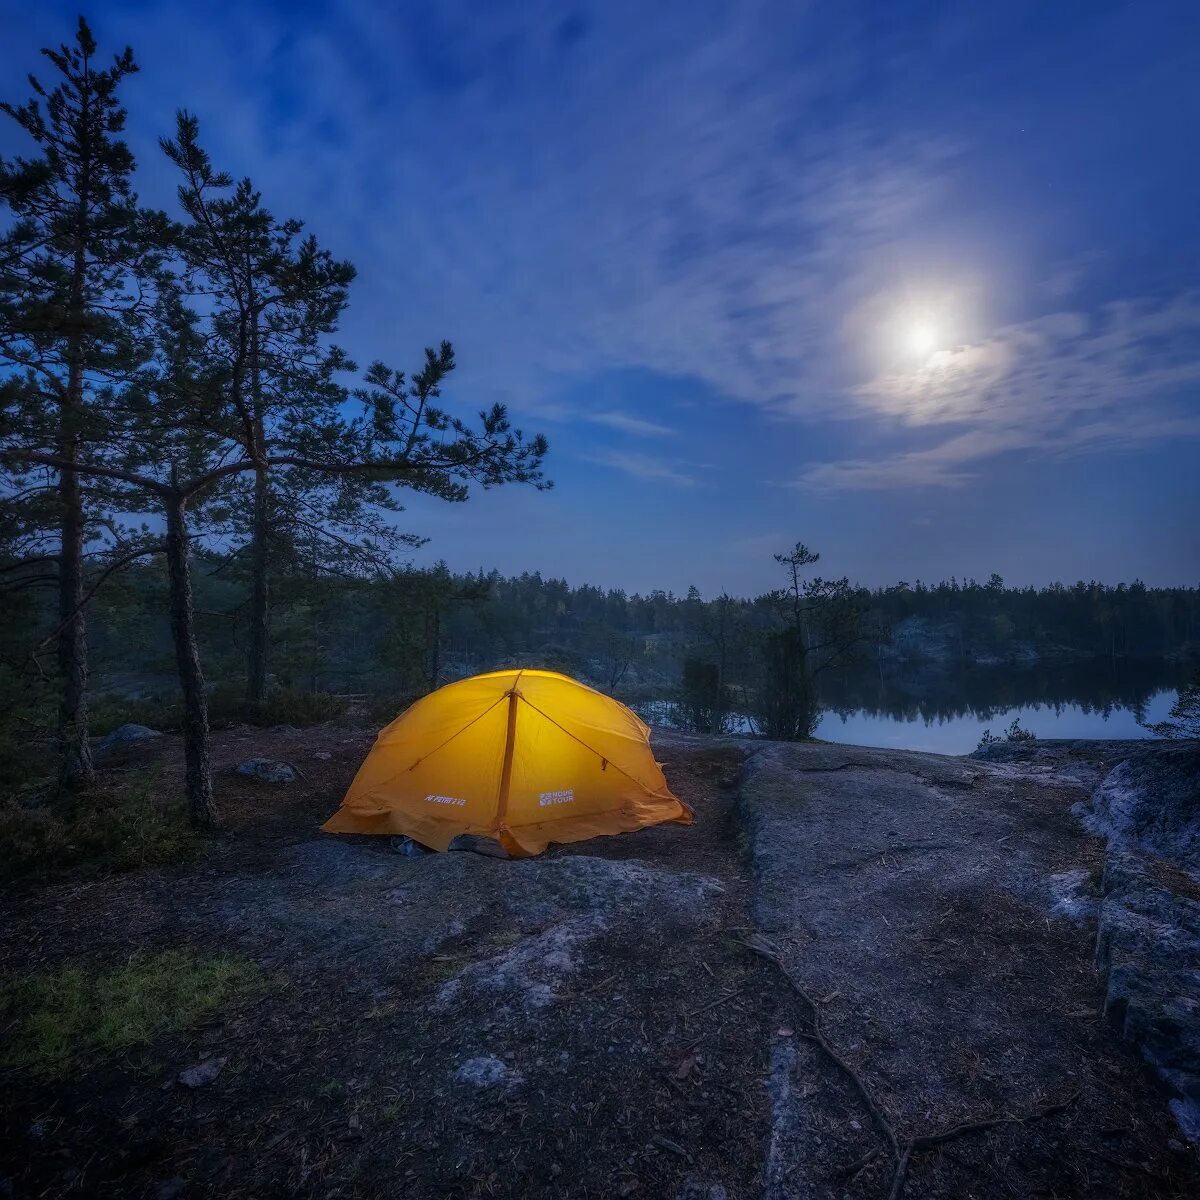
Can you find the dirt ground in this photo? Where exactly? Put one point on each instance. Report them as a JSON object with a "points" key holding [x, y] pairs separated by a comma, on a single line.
{"points": [[592, 1023], [583, 1024]]}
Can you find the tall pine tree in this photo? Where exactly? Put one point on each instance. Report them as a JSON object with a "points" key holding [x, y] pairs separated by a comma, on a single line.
{"points": [[71, 259], [275, 296]]}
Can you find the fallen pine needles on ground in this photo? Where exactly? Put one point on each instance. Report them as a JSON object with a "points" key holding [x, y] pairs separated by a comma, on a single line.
{"points": [[900, 1152]]}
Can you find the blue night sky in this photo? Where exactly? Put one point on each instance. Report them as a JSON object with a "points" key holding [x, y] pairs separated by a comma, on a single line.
{"points": [[916, 283]]}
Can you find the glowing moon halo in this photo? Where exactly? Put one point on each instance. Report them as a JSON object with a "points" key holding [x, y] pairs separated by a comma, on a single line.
{"points": [[922, 340]]}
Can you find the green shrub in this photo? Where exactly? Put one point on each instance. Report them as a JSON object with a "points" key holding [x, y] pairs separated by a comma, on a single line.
{"points": [[1014, 733], [106, 713], [384, 709], [27, 717], [138, 824], [282, 706], [54, 1018], [227, 706]]}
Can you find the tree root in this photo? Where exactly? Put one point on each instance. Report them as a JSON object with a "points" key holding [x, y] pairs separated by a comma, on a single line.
{"points": [[900, 1152]]}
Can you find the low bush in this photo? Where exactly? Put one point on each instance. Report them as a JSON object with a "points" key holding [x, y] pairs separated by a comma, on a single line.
{"points": [[227, 705], [134, 824], [384, 709], [54, 1018], [106, 713], [1014, 733], [283, 706]]}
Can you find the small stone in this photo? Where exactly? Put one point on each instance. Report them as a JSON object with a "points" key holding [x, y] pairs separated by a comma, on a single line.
{"points": [[267, 770], [407, 847], [477, 844], [488, 1072], [323, 755], [202, 1074], [694, 1189]]}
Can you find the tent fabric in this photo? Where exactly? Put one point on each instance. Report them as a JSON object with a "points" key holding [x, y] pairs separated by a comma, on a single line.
{"points": [[526, 757]]}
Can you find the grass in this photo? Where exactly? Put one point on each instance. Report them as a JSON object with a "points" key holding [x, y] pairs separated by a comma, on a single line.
{"points": [[135, 823], [56, 1018]]}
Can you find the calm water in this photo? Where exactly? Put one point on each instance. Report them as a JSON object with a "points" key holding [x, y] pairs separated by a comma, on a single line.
{"points": [[960, 734], [947, 712]]}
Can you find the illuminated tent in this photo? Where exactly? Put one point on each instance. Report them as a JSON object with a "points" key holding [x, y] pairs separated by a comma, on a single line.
{"points": [[525, 757]]}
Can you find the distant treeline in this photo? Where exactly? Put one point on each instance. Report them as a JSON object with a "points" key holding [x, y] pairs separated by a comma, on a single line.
{"points": [[410, 630]]}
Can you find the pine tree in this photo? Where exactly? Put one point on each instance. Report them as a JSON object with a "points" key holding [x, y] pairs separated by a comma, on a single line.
{"points": [[275, 297], [70, 322]]}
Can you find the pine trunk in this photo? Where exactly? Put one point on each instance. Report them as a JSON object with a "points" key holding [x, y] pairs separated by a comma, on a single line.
{"points": [[260, 599], [201, 803], [256, 666], [75, 755]]}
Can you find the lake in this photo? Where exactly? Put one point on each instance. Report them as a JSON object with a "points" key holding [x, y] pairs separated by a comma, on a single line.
{"points": [[947, 711]]}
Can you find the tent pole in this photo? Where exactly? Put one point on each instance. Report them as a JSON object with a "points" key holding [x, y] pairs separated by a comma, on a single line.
{"points": [[506, 772]]}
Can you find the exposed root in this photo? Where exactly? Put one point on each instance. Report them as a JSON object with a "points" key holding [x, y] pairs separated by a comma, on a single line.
{"points": [[900, 1152]]}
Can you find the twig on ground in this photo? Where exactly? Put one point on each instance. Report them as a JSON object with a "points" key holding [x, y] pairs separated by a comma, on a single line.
{"points": [[763, 948], [714, 1003], [901, 1153]]}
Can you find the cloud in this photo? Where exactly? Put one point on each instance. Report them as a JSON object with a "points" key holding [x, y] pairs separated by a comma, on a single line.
{"points": [[627, 424], [559, 206], [643, 466], [1065, 384], [706, 199]]}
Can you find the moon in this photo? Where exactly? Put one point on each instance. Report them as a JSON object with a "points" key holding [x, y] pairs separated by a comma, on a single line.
{"points": [[922, 339]]}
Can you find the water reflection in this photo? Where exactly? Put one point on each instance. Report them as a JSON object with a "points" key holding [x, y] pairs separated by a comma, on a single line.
{"points": [[947, 712]]}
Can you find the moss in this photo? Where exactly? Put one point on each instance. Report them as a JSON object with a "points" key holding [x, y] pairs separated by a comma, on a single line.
{"points": [[58, 1017]]}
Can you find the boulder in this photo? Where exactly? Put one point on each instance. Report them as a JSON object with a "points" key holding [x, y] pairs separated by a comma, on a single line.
{"points": [[1148, 928], [267, 770], [126, 739]]}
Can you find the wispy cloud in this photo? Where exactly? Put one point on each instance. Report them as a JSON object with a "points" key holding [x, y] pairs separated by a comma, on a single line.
{"points": [[624, 423], [706, 199], [644, 466], [538, 199], [1065, 384]]}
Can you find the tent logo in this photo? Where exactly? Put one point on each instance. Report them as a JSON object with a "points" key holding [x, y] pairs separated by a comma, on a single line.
{"points": [[547, 799], [445, 800]]}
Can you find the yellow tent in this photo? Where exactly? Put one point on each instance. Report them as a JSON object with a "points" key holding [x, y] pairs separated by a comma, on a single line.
{"points": [[526, 757]]}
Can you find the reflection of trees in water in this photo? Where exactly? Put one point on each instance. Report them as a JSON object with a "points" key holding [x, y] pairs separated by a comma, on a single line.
{"points": [[985, 692]]}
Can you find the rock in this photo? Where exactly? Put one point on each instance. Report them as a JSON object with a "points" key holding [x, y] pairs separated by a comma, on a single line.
{"points": [[125, 739], [1151, 802], [477, 844], [1148, 935], [695, 1189], [202, 1074], [267, 770], [323, 755], [488, 1072], [407, 847]]}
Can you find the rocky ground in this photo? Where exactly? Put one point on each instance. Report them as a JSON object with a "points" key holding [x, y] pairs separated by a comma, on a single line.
{"points": [[632, 1016]]}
